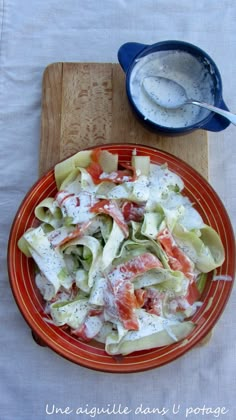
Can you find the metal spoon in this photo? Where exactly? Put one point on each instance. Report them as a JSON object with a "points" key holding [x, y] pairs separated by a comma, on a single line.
{"points": [[169, 94]]}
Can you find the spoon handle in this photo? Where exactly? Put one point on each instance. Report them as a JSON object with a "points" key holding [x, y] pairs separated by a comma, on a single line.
{"points": [[231, 117]]}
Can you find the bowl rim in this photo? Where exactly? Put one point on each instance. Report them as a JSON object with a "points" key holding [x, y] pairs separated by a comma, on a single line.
{"points": [[191, 49]]}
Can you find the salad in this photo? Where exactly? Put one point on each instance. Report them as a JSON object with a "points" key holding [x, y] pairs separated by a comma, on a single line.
{"points": [[121, 253]]}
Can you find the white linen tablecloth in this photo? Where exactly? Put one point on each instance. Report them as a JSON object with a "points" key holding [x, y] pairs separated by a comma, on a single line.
{"points": [[35, 381]]}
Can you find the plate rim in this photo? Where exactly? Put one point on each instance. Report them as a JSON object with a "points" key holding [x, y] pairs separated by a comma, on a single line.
{"points": [[118, 366]]}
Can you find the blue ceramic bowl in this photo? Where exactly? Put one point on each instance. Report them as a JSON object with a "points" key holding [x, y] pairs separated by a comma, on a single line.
{"points": [[131, 54]]}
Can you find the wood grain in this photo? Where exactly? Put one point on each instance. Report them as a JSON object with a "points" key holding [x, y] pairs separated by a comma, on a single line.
{"points": [[85, 104]]}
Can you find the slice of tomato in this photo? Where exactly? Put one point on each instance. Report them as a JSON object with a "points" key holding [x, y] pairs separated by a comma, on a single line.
{"points": [[76, 233], [126, 303], [193, 293], [95, 170], [123, 297], [141, 295], [133, 211], [177, 259], [120, 304], [111, 208], [95, 155], [62, 235], [133, 268]]}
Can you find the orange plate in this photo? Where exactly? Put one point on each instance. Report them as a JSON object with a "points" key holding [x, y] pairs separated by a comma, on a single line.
{"points": [[92, 355]]}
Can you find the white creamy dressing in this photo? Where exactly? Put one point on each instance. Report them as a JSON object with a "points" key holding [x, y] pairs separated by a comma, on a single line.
{"points": [[93, 325], [191, 219], [165, 92], [160, 179], [97, 292], [46, 288], [77, 207], [72, 314], [223, 277], [151, 324], [174, 205], [49, 261], [184, 69], [155, 189]]}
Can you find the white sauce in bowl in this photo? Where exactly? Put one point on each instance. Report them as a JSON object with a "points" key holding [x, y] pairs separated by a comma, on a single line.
{"points": [[183, 68]]}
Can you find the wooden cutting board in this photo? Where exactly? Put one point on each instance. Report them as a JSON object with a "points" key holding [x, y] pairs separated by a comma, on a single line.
{"points": [[85, 104]]}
